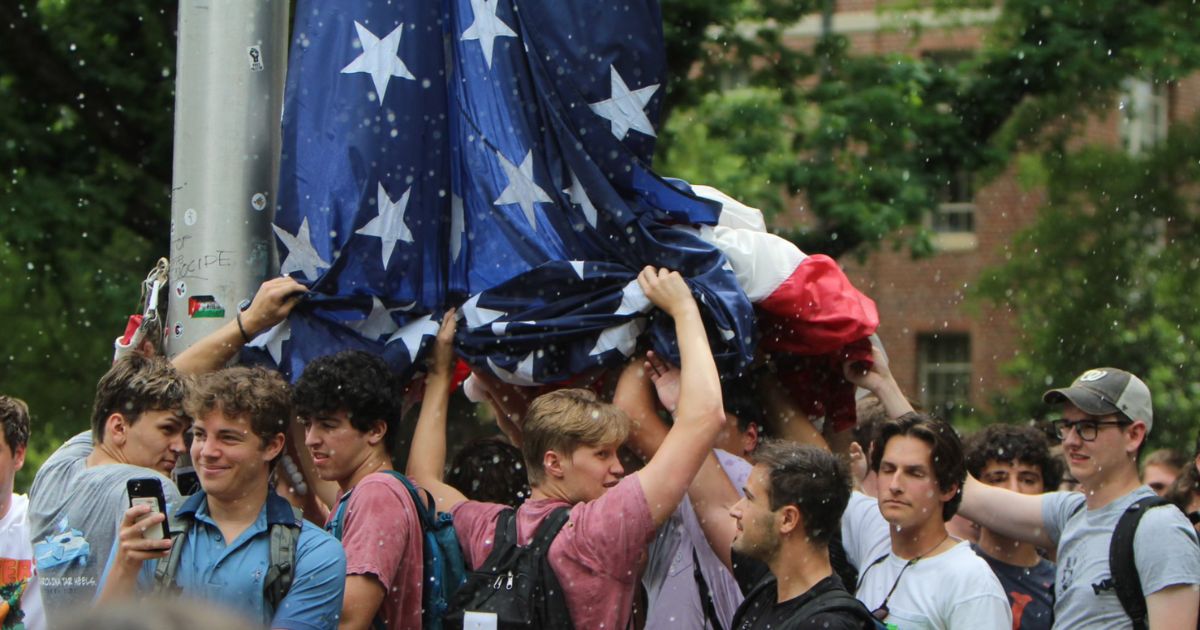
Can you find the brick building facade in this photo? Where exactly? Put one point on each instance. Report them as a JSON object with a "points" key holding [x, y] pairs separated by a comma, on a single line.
{"points": [[947, 350]]}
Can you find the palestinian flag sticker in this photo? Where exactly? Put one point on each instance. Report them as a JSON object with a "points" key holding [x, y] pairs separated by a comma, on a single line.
{"points": [[205, 306]]}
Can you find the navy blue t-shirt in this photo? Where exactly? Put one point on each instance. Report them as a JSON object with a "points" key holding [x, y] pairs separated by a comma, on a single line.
{"points": [[1030, 591]]}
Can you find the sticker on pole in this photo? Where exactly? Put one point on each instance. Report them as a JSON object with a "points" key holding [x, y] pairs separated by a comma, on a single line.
{"points": [[255, 54], [189, 217], [178, 329], [180, 288], [205, 306], [258, 202]]}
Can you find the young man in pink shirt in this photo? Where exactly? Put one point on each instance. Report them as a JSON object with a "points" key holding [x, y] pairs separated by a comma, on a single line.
{"points": [[349, 404], [570, 443]]}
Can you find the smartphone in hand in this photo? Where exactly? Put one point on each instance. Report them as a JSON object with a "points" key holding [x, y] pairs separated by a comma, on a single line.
{"points": [[149, 491]]}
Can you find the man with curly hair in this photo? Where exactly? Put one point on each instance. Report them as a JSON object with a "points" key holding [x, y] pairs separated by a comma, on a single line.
{"points": [[1017, 459], [228, 529], [350, 406]]}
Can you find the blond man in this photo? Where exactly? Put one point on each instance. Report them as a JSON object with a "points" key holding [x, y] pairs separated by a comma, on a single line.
{"points": [[570, 443]]}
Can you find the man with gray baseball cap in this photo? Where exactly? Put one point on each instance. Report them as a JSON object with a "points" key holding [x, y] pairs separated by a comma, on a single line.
{"points": [[1106, 415], [1107, 391]]}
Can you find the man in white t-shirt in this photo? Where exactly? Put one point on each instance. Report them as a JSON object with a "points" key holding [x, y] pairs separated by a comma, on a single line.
{"points": [[864, 532], [1106, 417], [19, 587], [927, 579]]}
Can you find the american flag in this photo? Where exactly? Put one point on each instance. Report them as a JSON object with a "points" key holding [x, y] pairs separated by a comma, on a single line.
{"points": [[493, 154]]}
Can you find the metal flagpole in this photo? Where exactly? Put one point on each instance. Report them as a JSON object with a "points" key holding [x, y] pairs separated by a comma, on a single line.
{"points": [[231, 61]]}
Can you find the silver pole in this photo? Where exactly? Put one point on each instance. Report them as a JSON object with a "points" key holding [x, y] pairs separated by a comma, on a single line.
{"points": [[232, 57]]}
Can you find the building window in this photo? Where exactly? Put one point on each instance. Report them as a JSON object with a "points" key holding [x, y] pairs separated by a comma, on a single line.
{"points": [[1143, 119], [956, 210], [944, 372], [953, 221]]}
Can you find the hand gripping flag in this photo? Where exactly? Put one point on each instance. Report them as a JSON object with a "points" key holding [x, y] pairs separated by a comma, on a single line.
{"points": [[493, 153]]}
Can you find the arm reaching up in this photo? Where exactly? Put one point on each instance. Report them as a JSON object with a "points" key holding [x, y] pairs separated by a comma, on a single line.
{"points": [[711, 492], [274, 301], [783, 417], [427, 455], [635, 396], [699, 415], [878, 380]]}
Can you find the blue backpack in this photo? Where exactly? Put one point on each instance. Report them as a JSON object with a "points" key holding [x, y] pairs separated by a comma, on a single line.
{"points": [[444, 569]]}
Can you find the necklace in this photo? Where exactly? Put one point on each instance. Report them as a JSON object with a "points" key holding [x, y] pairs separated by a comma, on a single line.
{"points": [[882, 612]]}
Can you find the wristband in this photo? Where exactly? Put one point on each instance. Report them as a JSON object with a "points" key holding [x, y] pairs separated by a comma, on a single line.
{"points": [[242, 328]]}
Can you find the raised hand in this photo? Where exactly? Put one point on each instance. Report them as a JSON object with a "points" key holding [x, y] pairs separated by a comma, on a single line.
{"points": [[878, 380], [666, 380], [441, 362], [274, 301], [859, 466], [870, 378], [667, 290]]}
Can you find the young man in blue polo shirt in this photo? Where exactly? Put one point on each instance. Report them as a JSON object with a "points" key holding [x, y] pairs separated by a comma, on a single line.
{"points": [[241, 415]]}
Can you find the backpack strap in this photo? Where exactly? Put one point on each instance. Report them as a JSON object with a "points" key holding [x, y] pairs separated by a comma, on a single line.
{"points": [[506, 532], [422, 498], [282, 568], [706, 599], [425, 506], [503, 539], [838, 601], [166, 568], [337, 524], [1125, 579], [547, 530]]}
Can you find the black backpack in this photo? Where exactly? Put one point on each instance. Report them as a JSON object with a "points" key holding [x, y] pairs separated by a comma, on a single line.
{"points": [[838, 600], [842, 601], [1125, 581], [516, 583]]}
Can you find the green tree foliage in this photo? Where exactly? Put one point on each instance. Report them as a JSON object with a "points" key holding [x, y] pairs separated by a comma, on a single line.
{"points": [[86, 96], [876, 137], [1109, 276]]}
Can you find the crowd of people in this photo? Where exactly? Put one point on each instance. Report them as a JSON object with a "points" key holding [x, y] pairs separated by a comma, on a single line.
{"points": [[673, 498]]}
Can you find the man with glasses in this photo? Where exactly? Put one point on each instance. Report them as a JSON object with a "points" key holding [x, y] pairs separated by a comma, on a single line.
{"points": [[1106, 417]]}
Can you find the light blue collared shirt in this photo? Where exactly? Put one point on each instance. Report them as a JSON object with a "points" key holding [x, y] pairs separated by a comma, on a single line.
{"points": [[232, 574]]}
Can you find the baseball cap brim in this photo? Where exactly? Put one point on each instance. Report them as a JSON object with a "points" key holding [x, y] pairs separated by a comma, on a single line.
{"points": [[1088, 401]]}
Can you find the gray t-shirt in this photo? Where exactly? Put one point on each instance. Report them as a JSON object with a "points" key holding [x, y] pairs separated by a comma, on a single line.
{"points": [[669, 577], [74, 512], [1164, 550]]}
